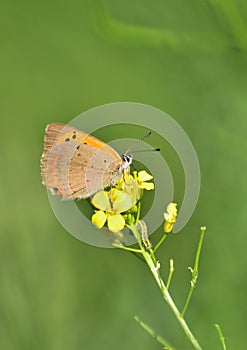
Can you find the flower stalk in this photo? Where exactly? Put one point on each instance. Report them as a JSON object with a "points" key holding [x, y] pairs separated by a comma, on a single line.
{"points": [[170, 274], [154, 267], [120, 207], [166, 345], [221, 336], [194, 271]]}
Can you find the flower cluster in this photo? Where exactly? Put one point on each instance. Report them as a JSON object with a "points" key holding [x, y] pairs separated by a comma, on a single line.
{"points": [[116, 205], [170, 217]]}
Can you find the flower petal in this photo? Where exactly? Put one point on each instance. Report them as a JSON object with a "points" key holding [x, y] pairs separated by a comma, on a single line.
{"points": [[144, 176], [123, 180], [115, 222], [147, 186], [132, 188], [116, 195], [172, 209], [168, 217], [121, 201], [99, 218], [168, 226], [101, 200]]}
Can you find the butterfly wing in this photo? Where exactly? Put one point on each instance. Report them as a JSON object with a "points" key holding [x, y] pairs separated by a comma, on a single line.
{"points": [[75, 164]]}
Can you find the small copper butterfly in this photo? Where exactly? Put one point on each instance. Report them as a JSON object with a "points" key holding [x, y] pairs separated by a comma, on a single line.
{"points": [[75, 164]]}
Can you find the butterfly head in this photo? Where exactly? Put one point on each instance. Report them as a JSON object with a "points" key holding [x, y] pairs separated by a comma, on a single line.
{"points": [[127, 160]]}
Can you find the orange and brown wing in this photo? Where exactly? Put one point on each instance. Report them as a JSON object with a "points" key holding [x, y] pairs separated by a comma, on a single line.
{"points": [[75, 164]]}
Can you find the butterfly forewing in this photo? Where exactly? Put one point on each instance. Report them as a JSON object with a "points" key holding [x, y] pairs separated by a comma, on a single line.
{"points": [[75, 164]]}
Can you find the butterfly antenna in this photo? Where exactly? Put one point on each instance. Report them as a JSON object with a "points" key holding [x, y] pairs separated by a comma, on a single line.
{"points": [[148, 150], [135, 143]]}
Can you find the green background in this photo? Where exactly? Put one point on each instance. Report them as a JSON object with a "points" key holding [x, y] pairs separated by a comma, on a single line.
{"points": [[60, 58]]}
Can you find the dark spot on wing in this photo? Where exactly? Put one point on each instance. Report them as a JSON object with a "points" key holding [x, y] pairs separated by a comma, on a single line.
{"points": [[74, 136], [55, 190], [68, 139]]}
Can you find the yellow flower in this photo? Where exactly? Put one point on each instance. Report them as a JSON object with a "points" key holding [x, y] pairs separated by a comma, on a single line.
{"points": [[170, 217], [124, 181], [111, 204], [142, 177], [121, 199], [130, 186], [139, 179], [134, 185]]}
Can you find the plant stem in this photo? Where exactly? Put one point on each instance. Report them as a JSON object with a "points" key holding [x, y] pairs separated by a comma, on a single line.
{"points": [[154, 268], [194, 270], [221, 336], [133, 250], [156, 336], [170, 274], [160, 242], [138, 211]]}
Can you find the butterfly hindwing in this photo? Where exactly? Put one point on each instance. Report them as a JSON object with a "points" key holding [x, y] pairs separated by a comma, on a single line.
{"points": [[75, 164]]}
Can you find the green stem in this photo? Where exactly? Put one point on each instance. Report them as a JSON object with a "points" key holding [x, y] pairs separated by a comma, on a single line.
{"points": [[170, 274], [154, 268], [160, 242], [194, 271], [138, 211], [221, 336], [127, 248], [153, 334]]}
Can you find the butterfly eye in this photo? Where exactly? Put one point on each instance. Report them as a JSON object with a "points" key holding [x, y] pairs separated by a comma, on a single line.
{"points": [[127, 158]]}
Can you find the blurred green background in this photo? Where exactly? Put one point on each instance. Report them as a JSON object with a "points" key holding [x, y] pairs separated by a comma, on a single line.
{"points": [[60, 58]]}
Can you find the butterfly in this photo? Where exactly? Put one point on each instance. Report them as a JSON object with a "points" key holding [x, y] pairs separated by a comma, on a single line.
{"points": [[76, 165]]}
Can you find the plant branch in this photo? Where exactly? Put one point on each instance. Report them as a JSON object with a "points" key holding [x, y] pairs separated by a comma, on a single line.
{"points": [[170, 274], [133, 250], [160, 242], [221, 336], [153, 334], [154, 268], [194, 270]]}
